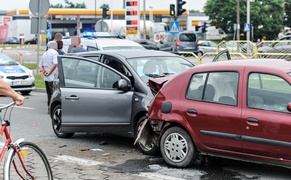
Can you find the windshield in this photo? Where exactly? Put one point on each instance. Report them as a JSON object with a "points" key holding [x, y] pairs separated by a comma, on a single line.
{"points": [[6, 61], [155, 67], [123, 48]]}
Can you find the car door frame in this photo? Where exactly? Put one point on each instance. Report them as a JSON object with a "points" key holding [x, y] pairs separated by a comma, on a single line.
{"points": [[71, 118]]}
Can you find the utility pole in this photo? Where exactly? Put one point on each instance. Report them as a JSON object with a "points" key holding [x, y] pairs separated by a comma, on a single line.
{"points": [[238, 20], [248, 19], [144, 20]]}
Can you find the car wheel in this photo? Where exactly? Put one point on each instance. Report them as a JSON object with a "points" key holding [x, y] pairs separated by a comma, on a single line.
{"points": [[199, 54], [57, 122], [25, 92], [152, 149], [177, 148]]}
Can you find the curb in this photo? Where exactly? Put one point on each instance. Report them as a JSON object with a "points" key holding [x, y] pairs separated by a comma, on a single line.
{"points": [[39, 90]]}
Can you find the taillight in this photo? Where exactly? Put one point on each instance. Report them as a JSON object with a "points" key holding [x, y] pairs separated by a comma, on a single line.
{"points": [[177, 43]]}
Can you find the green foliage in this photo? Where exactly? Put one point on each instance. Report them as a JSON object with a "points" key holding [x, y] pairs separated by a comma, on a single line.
{"points": [[266, 15], [104, 6], [68, 4], [287, 9]]}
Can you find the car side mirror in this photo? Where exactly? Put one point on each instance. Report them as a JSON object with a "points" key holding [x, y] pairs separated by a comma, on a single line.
{"points": [[289, 106], [123, 85]]}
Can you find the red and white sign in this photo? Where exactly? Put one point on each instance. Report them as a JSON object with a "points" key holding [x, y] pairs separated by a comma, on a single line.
{"points": [[4, 21]]}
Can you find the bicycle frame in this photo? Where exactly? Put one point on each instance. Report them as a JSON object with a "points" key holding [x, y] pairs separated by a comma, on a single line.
{"points": [[10, 147]]}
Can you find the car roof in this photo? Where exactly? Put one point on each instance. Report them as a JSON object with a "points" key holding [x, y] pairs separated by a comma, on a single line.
{"points": [[256, 63], [104, 42], [131, 54]]}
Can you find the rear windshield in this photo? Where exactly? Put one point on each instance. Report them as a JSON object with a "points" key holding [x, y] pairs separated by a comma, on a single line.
{"points": [[188, 37]]}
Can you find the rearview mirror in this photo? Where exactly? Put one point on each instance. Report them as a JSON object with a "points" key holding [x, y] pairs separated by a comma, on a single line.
{"points": [[289, 106]]}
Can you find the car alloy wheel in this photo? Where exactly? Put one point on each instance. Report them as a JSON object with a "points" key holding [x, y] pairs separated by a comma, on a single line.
{"points": [[57, 122], [177, 148], [151, 149]]}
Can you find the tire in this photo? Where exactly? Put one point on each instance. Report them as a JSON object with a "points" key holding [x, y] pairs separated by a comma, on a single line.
{"points": [[34, 160], [57, 122], [177, 148], [148, 150], [25, 92]]}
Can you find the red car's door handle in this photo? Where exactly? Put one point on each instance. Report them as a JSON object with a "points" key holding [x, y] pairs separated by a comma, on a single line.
{"points": [[252, 120], [192, 111]]}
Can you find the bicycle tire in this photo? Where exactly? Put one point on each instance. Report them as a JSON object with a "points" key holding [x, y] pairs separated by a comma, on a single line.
{"points": [[34, 159]]}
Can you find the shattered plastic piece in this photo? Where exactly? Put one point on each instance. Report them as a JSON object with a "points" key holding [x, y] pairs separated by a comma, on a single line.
{"points": [[85, 149], [96, 149]]}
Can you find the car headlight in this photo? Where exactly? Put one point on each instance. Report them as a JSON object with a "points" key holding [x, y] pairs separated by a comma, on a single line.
{"points": [[30, 74]]}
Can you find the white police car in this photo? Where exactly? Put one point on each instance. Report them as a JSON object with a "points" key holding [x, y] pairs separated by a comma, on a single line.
{"points": [[96, 41], [19, 77]]}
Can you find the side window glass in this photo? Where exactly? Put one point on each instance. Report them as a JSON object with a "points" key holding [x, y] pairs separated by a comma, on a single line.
{"points": [[91, 48], [268, 92], [79, 73], [195, 88], [223, 88], [109, 79]]}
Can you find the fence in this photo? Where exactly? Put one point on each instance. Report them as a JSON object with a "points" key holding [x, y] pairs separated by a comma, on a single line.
{"points": [[245, 50]]}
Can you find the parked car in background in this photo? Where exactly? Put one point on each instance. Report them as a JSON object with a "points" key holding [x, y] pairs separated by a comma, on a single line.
{"points": [[17, 76], [204, 111], [183, 42], [148, 44], [31, 41], [11, 40], [107, 91], [282, 45], [209, 46]]}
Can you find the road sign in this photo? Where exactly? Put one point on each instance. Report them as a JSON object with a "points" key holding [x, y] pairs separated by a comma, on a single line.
{"points": [[34, 25], [39, 7], [49, 34], [246, 27], [174, 27]]}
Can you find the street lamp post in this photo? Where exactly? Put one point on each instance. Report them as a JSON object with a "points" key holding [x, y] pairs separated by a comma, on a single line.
{"points": [[248, 19]]}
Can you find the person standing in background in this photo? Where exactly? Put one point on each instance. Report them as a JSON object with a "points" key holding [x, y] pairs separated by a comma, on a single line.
{"points": [[76, 43], [60, 47], [47, 66], [281, 34]]}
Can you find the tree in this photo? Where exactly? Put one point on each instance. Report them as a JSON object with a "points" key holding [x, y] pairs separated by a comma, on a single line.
{"points": [[287, 10], [104, 6], [267, 15], [69, 5]]}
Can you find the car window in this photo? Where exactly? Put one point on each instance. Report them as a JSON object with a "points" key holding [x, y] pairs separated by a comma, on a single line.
{"points": [[187, 37], [268, 92], [79, 73], [220, 87], [91, 48], [6, 61]]}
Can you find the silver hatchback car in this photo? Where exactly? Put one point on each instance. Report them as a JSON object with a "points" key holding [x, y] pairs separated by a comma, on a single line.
{"points": [[107, 91]]}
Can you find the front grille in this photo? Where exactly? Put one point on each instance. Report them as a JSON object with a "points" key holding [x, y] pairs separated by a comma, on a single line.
{"points": [[17, 77]]}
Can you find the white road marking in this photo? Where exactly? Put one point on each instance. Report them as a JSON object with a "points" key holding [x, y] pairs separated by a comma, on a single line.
{"points": [[78, 161]]}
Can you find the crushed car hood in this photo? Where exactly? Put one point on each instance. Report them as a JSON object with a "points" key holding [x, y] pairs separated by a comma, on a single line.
{"points": [[156, 84]]}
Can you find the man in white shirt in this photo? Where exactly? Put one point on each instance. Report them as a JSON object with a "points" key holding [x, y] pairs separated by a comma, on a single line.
{"points": [[47, 67]]}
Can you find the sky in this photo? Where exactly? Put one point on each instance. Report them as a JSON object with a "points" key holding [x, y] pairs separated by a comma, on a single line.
{"points": [[113, 4]]}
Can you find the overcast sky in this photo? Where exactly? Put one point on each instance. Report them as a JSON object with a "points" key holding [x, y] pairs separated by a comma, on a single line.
{"points": [[113, 4]]}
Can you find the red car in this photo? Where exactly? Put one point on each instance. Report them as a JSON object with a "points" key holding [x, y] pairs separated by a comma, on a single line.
{"points": [[237, 109]]}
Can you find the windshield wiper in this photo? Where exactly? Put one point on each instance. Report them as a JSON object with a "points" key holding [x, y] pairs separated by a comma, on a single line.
{"points": [[168, 73]]}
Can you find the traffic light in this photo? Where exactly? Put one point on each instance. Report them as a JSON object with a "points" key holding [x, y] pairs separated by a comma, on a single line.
{"points": [[172, 9], [104, 12], [204, 27], [180, 9]]}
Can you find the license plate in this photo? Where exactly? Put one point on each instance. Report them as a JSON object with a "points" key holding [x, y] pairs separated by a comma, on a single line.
{"points": [[18, 83]]}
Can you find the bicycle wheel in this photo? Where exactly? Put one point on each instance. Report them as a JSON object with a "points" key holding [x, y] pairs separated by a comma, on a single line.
{"points": [[35, 164]]}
